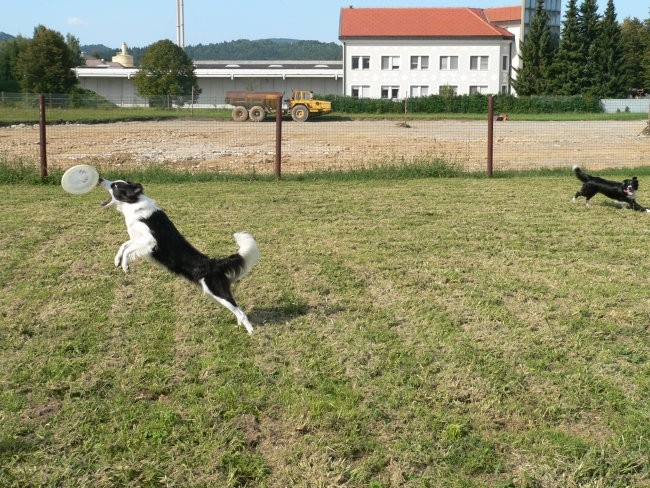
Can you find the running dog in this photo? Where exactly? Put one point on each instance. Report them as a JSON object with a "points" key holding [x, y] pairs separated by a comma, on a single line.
{"points": [[623, 191], [152, 235]]}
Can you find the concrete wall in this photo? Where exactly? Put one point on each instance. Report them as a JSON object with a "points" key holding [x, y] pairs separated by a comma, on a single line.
{"points": [[634, 105], [116, 84]]}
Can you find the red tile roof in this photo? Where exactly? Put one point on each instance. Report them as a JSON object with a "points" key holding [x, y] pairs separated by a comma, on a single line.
{"points": [[504, 14], [418, 22]]}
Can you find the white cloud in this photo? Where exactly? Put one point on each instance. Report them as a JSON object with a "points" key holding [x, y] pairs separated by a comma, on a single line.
{"points": [[76, 21]]}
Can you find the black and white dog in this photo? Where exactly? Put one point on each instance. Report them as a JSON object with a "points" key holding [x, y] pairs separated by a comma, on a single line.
{"points": [[153, 235], [621, 191]]}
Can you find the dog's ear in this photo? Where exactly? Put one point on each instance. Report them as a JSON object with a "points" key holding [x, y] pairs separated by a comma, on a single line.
{"points": [[138, 189]]}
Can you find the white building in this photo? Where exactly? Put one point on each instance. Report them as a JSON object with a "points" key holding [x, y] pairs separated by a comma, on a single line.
{"points": [[114, 81], [408, 52], [387, 53]]}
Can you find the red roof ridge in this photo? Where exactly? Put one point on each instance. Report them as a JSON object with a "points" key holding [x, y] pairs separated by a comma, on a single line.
{"points": [[502, 14], [484, 18], [419, 22]]}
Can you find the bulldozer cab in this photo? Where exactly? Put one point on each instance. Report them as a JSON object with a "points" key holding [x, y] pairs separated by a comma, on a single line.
{"points": [[302, 95]]}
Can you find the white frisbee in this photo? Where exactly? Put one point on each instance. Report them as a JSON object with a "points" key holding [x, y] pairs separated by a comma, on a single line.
{"points": [[80, 179]]}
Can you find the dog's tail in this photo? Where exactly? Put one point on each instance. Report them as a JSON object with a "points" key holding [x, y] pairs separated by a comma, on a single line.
{"points": [[582, 176], [249, 253]]}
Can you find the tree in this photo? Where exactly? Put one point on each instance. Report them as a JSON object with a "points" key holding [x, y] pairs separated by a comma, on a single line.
{"points": [[566, 64], [75, 49], [45, 65], [588, 34], [634, 41], [9, 50], [645, 62], [166, 75], [536, 56], [610, 82]]}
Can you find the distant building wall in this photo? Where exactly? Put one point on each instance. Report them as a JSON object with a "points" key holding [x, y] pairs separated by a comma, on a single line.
{"points": [[116, 84], [633, 105]]}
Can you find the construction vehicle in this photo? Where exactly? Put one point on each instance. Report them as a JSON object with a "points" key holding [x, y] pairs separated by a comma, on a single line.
{"points": [[256, 105]]}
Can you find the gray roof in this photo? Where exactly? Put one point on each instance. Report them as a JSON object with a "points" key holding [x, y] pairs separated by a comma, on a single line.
{"points": [[299, 65]]}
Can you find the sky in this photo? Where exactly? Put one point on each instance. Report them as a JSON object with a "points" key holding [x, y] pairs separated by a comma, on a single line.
{"points": [[140, 23]]}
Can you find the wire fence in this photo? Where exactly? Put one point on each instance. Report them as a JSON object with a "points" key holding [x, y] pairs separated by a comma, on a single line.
{"points": [[325, 144]]}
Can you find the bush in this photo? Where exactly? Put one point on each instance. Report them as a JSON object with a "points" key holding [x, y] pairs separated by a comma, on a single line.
{"points": [[83, 98], [546, 104], [475, 103]]}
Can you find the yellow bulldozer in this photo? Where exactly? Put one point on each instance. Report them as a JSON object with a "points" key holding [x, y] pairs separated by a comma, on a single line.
{"points": [[256, 105]]}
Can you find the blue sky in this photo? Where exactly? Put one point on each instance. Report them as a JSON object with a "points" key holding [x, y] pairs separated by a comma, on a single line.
{"points": [[142, 22]]}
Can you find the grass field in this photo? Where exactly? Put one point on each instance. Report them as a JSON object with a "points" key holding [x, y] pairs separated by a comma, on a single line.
{"points": [[447, 332], [10, 115]]}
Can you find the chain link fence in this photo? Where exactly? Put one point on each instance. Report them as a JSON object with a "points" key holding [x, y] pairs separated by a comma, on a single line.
{"points": [[196, 139]]}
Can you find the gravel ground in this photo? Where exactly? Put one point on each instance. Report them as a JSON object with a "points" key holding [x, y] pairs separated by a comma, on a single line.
{"points": [[319, 144]]}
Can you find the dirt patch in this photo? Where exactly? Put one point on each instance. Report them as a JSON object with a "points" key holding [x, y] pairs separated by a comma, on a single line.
{"points": [[323, 145]]}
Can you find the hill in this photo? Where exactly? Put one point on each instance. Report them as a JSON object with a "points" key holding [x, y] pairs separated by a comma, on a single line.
{"points": [[242, 49], [267, 49]]}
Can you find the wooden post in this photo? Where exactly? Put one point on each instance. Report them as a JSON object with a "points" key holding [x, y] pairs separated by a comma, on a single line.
{"points": [[42, 141], [278, 137], [490, 136]]}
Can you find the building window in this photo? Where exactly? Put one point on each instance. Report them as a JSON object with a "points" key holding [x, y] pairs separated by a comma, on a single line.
{"points": [[390, 92], [478, 63], [389, 62], [419, 90], [419, 62], [475, 89], [504, 89], [448, 90], [360, 91], [504, 63], [360, 62], [448, 63]]}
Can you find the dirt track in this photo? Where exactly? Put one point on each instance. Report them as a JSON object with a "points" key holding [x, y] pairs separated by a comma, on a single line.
{"points": [[231, 146]]}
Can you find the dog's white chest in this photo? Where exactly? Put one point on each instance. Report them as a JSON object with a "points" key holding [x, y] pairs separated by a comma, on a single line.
{"points": [[139, 231]]}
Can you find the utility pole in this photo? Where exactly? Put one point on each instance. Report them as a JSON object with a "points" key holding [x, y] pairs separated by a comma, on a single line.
{"points": [[180, 24]]}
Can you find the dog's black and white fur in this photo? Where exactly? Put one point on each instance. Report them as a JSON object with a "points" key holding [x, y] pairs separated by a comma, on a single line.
{"points": [[153, 235], [621, 191]]}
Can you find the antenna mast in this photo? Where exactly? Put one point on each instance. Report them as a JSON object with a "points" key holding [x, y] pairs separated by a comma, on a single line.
{"points": [[180, 23]]}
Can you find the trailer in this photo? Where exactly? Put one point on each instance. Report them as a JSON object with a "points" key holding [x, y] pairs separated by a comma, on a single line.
{"points": [[256, 105]]}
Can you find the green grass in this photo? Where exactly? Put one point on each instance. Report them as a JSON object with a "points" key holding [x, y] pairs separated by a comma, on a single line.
{"points": [[16, 115], [535, 117], [414, 332]]}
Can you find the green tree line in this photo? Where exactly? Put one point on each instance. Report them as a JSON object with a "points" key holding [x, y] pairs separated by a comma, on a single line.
{"points": [[42, 64], [241, 49], [594, 56]]}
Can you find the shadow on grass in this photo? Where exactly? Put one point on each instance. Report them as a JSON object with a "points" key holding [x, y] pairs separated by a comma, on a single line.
{"points": [[13, 447], [276, 315], [285, 312]]}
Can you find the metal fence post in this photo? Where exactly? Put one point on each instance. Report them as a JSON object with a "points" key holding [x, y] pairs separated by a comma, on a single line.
{"points": [[42, 141], [490, 136], [278, 137]]}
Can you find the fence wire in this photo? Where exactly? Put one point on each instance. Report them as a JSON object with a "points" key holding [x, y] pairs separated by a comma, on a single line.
{"points": [[329, 145]]}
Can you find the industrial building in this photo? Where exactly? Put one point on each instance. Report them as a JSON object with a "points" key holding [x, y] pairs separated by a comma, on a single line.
{"points": [[390, 53]]}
